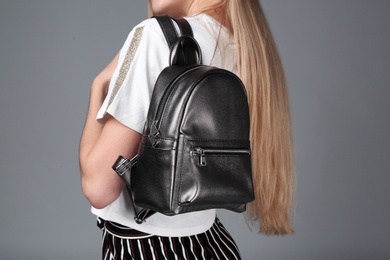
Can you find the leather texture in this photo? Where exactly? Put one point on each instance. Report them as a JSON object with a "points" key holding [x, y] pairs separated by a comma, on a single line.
{"points": [[195, 150]]}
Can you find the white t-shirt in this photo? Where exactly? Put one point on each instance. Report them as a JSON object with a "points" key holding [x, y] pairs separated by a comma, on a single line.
{"points": [[143, 56]]}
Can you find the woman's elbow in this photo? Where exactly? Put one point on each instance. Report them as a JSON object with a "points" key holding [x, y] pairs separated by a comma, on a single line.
{"points": [[98, 203], [98, 198], [94, 199]]}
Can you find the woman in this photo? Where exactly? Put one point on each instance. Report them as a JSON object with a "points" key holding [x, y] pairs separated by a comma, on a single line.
{"points": [[232, 34]]}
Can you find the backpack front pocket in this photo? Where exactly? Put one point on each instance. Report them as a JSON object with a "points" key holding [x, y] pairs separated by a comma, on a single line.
{"points": [[215, 174]]}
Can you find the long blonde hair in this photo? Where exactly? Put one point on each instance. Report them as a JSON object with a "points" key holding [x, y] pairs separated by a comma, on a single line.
{"points": [[260, 68]]}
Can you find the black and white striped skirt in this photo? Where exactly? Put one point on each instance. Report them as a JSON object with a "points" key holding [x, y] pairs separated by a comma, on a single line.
{"points": [[120, 242]]}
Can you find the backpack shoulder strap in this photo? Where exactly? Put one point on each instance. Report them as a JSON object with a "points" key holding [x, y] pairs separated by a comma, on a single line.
{"points": [[168, 29], [185, 27], [186, 54]]}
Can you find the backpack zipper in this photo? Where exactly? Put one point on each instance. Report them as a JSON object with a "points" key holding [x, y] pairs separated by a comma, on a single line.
{"points": [[202, 152]]}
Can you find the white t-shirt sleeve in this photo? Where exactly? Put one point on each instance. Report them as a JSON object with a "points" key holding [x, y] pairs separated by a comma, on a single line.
{"points": [[142, 57]]}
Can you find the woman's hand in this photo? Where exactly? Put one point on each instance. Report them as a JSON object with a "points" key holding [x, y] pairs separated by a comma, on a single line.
{"points": [[101, 143]]}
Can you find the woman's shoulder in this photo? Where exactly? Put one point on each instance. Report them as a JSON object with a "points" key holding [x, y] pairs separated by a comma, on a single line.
{"points": [[145, 33], [200, 20], [148, 26], [148, 39], [149, 23]]}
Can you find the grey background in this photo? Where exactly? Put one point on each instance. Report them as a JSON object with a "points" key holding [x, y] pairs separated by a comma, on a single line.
{"points": [[336, 57]]}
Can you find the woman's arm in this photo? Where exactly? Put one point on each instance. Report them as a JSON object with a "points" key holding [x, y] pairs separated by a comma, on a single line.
{"points": [[100, 145]]}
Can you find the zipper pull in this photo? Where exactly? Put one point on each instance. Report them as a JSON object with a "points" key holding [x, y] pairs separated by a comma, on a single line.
{"points": [[202, 157]]}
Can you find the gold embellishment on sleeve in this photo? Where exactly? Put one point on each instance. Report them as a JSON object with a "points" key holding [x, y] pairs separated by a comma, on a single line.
{"points": [[126, 62]]}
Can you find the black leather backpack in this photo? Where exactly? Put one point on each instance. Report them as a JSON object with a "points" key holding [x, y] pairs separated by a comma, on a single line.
{"points": [[195, 150]]}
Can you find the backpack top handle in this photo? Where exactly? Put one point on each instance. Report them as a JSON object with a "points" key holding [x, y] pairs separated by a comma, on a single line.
{"points": [[184, 50]]}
